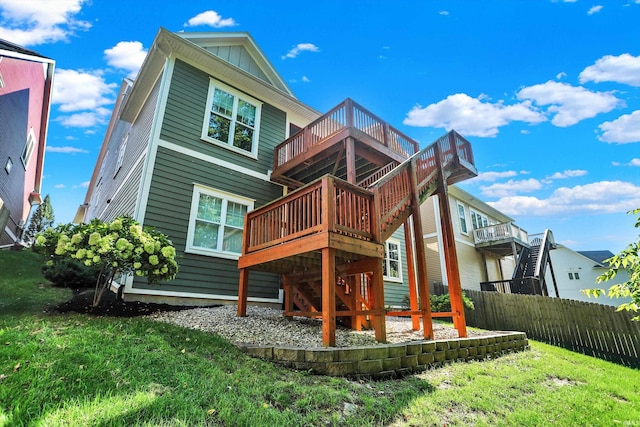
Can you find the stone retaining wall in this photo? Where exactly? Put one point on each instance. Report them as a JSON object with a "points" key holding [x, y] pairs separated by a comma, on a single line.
{"points": [[389, 360]]}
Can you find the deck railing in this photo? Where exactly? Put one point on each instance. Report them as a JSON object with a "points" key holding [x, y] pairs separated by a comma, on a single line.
{"points": [[347, 114], [327, 204], [498, 232], [334, 205]]}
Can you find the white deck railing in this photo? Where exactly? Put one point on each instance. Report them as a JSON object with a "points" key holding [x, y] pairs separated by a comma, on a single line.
{"points": [[497, 232]]}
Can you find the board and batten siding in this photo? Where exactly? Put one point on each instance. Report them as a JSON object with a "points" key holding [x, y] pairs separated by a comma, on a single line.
{"points": [[238, 56], [168, 210], [185, 114], [119, 191]]}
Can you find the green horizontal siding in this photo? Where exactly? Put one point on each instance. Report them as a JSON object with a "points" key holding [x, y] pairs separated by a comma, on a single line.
{"points": [[168, 210], [394, 292], [185, 114]]}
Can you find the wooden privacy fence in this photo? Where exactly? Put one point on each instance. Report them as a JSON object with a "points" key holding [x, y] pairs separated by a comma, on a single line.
{"points": [[589, 328]]}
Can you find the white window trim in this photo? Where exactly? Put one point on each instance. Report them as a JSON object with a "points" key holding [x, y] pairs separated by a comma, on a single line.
{"points": [[482, 216], [28, 148], [386, 261], [466, 220], [195, 199], [213, 84], [121, 151], [9, 165]]}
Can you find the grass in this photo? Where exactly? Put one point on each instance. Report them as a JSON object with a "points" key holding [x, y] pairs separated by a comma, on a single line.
{"points": [[84, 370]]}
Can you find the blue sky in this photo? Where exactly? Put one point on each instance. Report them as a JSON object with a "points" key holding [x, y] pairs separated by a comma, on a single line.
{"points": [[548, 92]]}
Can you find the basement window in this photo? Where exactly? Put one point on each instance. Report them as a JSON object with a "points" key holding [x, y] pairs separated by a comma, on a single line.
{"points": [[392, 266]]}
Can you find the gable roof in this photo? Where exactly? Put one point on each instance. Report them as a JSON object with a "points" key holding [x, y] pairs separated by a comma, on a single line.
{"points": [[168, 45], [19, 51], [597, 256], [248, 57]]}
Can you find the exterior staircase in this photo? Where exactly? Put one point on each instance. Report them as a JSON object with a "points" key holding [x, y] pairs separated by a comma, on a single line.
{"points": [[326, 238]]}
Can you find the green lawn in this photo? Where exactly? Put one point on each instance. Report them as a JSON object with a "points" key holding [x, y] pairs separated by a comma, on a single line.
{"points": [[79, 370]]}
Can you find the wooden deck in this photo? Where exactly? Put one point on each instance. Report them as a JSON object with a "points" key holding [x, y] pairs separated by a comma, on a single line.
{"points": [[357, 181]]}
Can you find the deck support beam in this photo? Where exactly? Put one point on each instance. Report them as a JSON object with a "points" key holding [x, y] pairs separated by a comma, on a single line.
{"points": [[411, 269], [450, 256], [243, 292], [328, 297]]}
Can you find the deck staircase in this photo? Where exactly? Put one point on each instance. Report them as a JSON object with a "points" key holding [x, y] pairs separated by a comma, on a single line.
{"points": [[529, 276], [326, 238]]}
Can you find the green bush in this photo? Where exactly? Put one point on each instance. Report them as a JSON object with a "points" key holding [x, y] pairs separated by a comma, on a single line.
{"points": [[70, 273], [440, 303]]}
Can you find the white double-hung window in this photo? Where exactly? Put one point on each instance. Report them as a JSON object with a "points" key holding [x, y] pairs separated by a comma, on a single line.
{"points": [[232, 119], [216, 222], [391, 266]]}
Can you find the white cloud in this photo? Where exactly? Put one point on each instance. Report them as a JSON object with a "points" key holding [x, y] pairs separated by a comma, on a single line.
{"points": [[127, 56], [561, 75], [623, 130], [620, 69], [525, 132], [299, 48], [79, 90], [569, 173], [305, 79], [569, 104], [597, 197], [470, 116], [511, 187], [634, 162], [85, 184], [58, 186], [85, 119], [34, 22], [594, 9], [210, 18], [444, 12], [493, 176], [66, 150]]}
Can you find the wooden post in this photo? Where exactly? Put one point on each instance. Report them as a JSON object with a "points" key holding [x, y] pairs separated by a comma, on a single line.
{"points": [[377, 290], [351, 160], [450, 256], [411, 268], [242, 292], [421, 257], [288, 295], [328, 297]]}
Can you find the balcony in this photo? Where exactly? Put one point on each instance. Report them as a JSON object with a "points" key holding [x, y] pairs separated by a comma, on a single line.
{"points": [[501, 239], [348, 142]]}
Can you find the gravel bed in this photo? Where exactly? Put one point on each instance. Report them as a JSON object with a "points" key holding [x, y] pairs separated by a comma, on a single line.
{"points": [[267, 326]]}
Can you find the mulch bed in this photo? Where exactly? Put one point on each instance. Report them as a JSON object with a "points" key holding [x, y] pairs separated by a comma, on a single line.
{"points": [[82, 300]]}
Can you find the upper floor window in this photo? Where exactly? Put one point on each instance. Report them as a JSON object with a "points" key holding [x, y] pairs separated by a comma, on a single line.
{"points": [[232, 119], [391, 266], [478, 220], [463, 219], [28, 148], [216, 222], [121, 150]]}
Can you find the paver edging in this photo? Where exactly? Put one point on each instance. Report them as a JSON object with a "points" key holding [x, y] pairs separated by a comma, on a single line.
{"points": [[381, 361]]}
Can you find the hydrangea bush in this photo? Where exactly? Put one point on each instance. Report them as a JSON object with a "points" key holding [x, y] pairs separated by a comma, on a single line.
{"points": [[117, 248]]}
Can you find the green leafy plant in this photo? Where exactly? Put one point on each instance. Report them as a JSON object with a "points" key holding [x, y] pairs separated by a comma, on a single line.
{"points": [[114, 249], [440, 303], [628, 259]]}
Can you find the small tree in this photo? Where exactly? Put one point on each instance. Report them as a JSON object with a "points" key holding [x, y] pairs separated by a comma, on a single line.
{"points": [[41, 219], [115, 249], [628, 259]]}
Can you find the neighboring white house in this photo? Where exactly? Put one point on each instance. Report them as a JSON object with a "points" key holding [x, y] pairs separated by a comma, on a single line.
{"points": [[577, 270]]}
